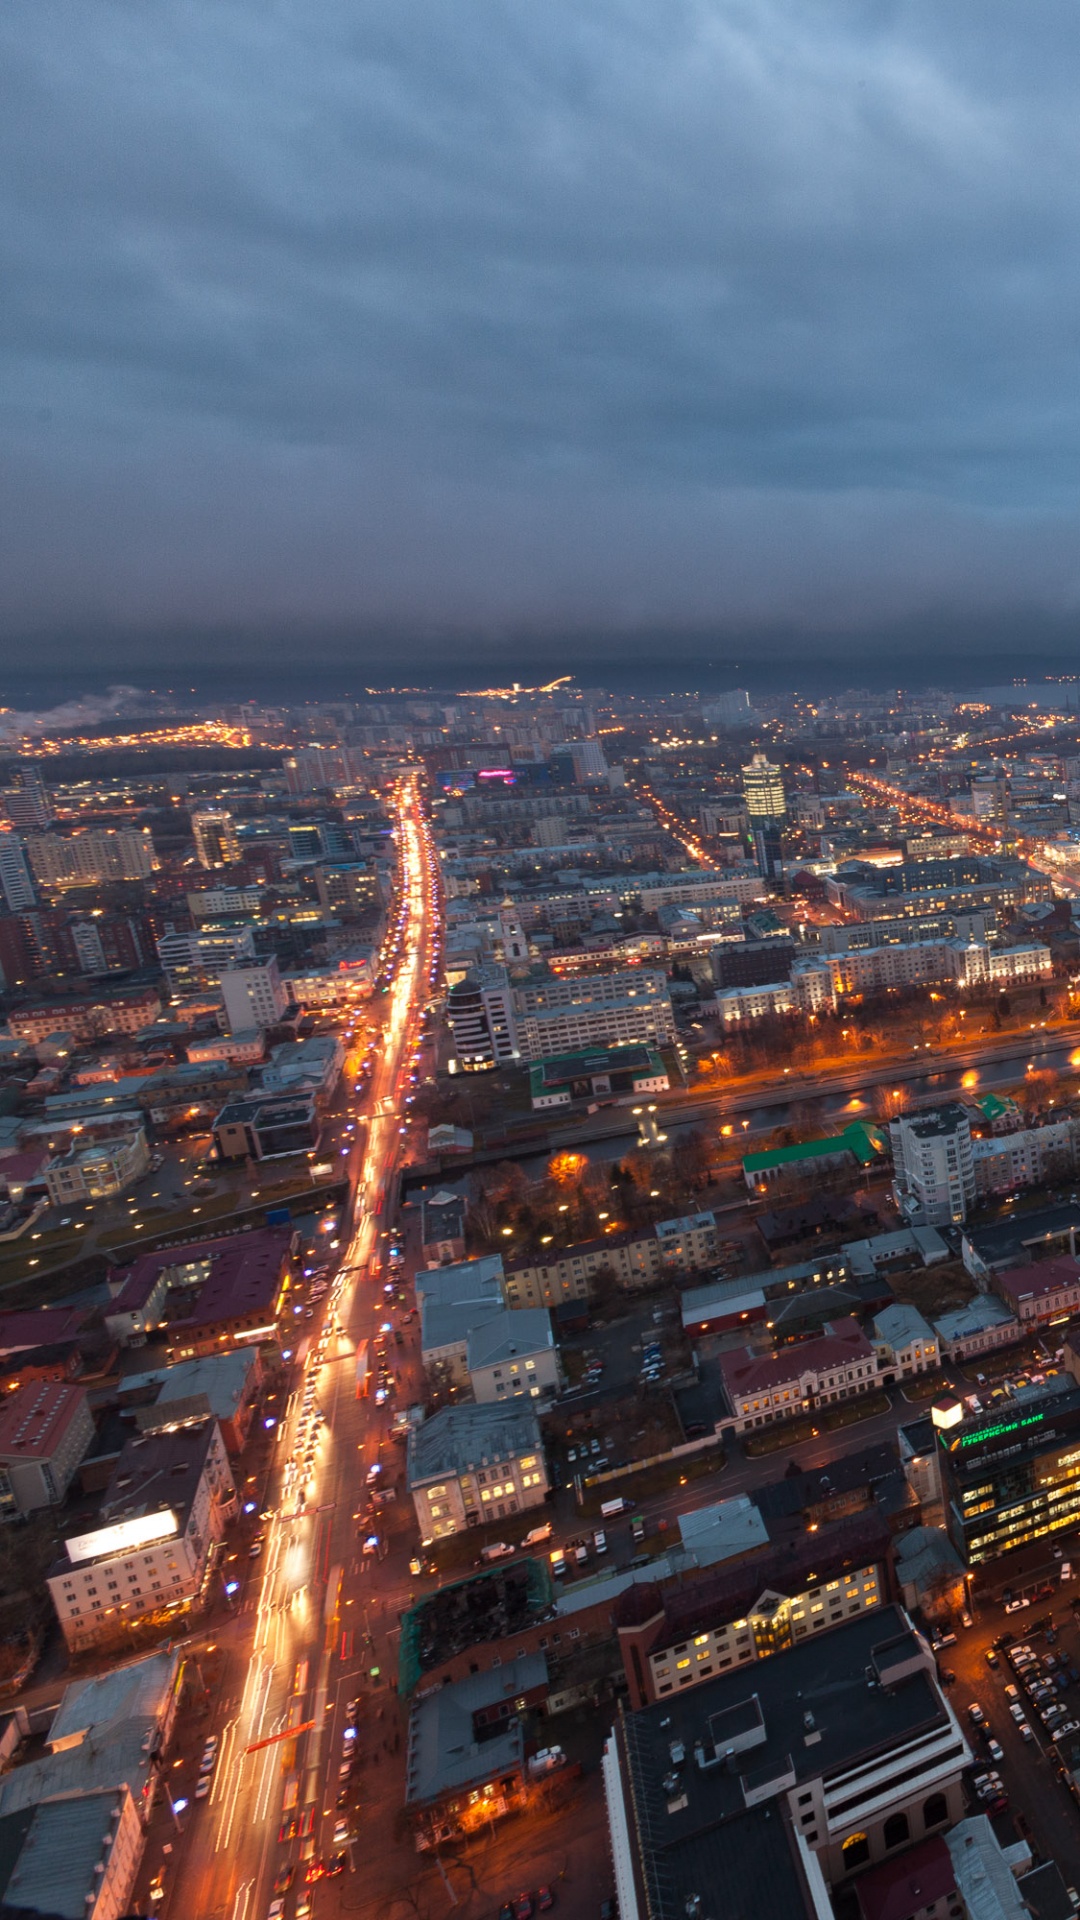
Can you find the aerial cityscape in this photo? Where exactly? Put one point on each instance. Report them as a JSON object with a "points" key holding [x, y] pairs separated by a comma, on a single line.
{"points": [[539, 960], [540, 1304]]}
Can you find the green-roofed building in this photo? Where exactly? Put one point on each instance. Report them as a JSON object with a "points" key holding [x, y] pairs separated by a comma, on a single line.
{"points": [[860, 1144], [597, 1072]]}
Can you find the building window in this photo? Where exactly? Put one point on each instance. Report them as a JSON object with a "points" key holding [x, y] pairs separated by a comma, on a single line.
{"points": [[895, 1831], [856, 1851], [935, 1810]]}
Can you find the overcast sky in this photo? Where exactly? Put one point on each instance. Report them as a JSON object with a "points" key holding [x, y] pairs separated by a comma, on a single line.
{"points": [[487, 315]]}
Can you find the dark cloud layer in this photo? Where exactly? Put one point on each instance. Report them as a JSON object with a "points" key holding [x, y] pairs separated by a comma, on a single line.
{"points": [[497, 319]]}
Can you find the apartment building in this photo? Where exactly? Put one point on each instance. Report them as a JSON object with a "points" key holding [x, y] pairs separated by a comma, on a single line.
{"points": [[92, 857], [762, 1388], [169, 1499], [934, 1165], [634, 1259], [471, 1464], [1007, 1162], [743, 1006], [558, 1016], [88, 1019]]}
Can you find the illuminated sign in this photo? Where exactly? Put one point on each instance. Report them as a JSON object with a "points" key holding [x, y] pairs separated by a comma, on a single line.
{"points": [[123, 1537], [994, 1433]]}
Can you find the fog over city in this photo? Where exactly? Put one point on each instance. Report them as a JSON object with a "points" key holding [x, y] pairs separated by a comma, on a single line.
{"points": [[557, 327]]}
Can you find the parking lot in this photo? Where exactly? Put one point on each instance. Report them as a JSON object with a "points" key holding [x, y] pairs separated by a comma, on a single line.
{"points": [[1040, 1801]]}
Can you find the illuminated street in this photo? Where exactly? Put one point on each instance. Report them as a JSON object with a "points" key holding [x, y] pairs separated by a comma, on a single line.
{"points": [[296, 1647]]}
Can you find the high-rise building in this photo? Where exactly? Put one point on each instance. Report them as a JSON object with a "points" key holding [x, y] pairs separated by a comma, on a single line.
{"points": [[1011, 1477], [481, 1015], [96, 855], [195, 961], [763, 788], [15, 881], [26, 802], [589, 762], [934, 1165], [729, 710], [254, 995], [216, 843]]}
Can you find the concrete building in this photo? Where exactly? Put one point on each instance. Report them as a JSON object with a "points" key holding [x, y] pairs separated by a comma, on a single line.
{"points": [[206, 1296], [934, 1165], [15, 883], [1044, 1294], [115, 1011], [169, 1499], [77, 1857], [255, 995], [907, 1345], [758, 1600], [982, 1326], [744, 1789], [1026, 1157], [512, 1356], [222, 1386], [469, 1465], [453, 1299], [98, 1171], [466, 1751], [261, 1128], [480, 1012], [45, 1430], [743, 1006], [762, 1388], [192, 962], [95, 855], [214, 833], [597, 1073], [563, 1015]]}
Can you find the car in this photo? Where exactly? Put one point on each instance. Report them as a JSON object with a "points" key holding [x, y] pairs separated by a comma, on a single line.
{"points": [[991, 1658], [341, 1833], [1070, 1726], [1012, 1692], [289, 1828], [336, 1864], [1074, 1899], [609, 1910], [523, 1907], [995, 1749], [203, 1786], [1018, 1712], [976, 1714], [256, 1548], [544, 1899], [275, 1910], [506, 1911], [1024, 1730]]}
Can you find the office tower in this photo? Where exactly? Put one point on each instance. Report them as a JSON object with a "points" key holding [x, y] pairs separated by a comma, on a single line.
{"points": [[763, 789], [1011, 1478], [15, 881], [305, 842], [215, 837], [481, 1016]]}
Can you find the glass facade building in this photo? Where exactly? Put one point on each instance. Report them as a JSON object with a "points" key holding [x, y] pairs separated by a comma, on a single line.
{"points": [[1012, 1478]]}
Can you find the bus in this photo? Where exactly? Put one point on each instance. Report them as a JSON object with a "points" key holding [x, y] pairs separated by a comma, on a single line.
{"points": [[363, 1369]]}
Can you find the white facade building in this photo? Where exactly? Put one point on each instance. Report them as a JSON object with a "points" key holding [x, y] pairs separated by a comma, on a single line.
{"points": [[254, 995], [934, 1166]]}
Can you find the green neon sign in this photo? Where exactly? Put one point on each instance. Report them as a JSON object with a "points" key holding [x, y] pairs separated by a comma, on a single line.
{"points": [[994, 1433]]}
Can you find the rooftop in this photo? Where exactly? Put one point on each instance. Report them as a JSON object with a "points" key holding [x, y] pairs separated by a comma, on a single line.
{"points": [[866, 1142], [898, 1888], [1034, 1282], [227, 1278], [813, 1711], [54, 1870], [489, 1605], [34, 1420], [506, 1336], [444, 1752], [458, 1439], [38, 1326], [746, 1372], [1003, 1243]]}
